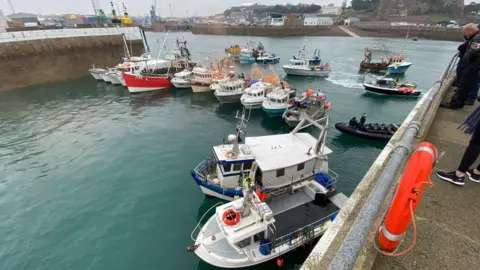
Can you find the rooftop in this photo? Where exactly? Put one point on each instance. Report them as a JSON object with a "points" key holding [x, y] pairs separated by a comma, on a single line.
{"points": [[284, 150]]}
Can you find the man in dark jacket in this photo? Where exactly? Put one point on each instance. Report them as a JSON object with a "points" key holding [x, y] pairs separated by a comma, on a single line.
{"points": [[468, 66]]}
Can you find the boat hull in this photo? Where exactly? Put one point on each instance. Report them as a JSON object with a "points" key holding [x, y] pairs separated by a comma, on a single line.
{"points": [[398, 70], [106, 78], [233, 98], [373, 67], [143, 84], [216, 191], [96, 76], [306, 72], [343, 127], [252, 105], [114, 79], [200, 87], [390, 92], [246, 60], [274, 112], [180, 83], [273, 60]]}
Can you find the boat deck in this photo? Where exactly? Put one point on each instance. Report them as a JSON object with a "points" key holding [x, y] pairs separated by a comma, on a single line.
{"points": [[301, 214]]}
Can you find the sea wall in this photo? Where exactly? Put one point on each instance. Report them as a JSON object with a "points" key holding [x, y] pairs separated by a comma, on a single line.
{"points": [[421, 32], [206, 29], [36, 61]]}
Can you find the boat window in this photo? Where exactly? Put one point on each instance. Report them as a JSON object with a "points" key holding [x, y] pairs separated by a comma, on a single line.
{"points": [[136, 68], [244, 243], [280, 172], [247, 165], [259, 237], [284, 100], [237, 166], [227, 167], [301, 166]]}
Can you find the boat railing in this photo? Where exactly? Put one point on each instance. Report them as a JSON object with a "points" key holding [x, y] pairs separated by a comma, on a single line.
{"points": [[206, 167], [198, 227]]}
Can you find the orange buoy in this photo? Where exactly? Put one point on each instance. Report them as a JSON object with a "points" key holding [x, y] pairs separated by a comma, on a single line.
{"points": [[408, 195], [231, 217]]}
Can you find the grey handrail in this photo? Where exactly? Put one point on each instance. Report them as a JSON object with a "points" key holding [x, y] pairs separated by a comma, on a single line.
{"points": [[348, 252]]}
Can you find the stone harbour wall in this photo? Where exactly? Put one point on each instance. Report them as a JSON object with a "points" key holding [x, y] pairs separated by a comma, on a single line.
{"points": [[206, 29], [31, 62]]}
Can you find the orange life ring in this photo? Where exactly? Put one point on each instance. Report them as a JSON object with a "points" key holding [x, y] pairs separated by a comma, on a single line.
{"points": [[231, 217], [231, 155]]}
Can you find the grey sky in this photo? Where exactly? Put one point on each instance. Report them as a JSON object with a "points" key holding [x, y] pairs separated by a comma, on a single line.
{"points": [[139, 7]]}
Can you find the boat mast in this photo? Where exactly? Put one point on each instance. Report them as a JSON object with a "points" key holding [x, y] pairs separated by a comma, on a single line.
{"points": [[161, 49]]}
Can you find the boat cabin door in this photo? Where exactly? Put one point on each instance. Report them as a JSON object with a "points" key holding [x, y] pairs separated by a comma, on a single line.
{"points": [[256, 174]]}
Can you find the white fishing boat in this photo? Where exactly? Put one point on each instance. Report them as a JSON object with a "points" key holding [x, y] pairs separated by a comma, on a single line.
{"points": [[202, 78], [302, 66], [230, 90], [312, 104], [277, 101], [182, 79], [112, 74], [255, 95], [295, 200], [96, 73]]}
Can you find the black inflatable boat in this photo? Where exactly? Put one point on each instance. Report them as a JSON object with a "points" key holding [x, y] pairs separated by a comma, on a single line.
{"points": [[374, 131]]}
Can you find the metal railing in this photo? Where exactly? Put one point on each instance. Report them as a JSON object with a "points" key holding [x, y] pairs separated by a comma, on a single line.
{"points": [[348, 252], [131, 33]]}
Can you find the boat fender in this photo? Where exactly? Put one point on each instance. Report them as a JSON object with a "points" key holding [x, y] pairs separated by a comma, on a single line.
{"points": [[279, 261], [231, 217], [406, 199], [327, 105]]}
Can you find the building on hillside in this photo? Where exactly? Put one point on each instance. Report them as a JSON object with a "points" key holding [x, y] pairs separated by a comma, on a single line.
{"points": [[219, 17], [237, 16], [3, 23], [310, 21], [277, 21], [351, 20], [324, 21], [331, 11]]}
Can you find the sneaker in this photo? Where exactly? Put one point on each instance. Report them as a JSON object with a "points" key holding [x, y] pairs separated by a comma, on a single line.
{"points": [[474, 177], [452, 178]]}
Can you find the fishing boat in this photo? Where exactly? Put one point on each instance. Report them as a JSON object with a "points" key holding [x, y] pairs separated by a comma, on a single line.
{"points": [[277, 101], [182, 79], [96, 73], [202, 78], [302, 66], [256, 94], [266, 58], [368, 66], [311, 105], [144, 83], [230, 90], [246, 56], [233, 49], [397, 65], [373, 131], [286, 200], [389, 86], [112, 74]]}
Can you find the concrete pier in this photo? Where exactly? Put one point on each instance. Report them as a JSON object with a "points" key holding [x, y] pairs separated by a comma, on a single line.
{"points": [[448, 227], [35, 57]]}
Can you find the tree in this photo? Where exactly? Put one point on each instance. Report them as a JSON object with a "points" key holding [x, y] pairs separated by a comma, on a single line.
{"points": [[331, 5]]}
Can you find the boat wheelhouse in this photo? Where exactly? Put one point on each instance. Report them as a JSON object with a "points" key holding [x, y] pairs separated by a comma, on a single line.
{"points": [[202, 78], [278, 101], [302, 66], [230, 90], [255, 95]]}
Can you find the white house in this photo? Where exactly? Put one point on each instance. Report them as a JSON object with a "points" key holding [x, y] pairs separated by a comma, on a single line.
{"points": [[331, 11], [324, 21], [277, 21], [3, 23]]}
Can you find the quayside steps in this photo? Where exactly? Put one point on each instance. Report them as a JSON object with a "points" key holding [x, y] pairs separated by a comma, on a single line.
{"points": [[447, 219]]}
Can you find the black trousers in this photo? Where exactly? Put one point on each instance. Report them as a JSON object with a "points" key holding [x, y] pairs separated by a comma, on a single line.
{"points": [[465, 82], [472, 152]]}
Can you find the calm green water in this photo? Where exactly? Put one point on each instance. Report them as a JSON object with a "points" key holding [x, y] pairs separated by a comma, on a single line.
{"points": [[93, 178]]}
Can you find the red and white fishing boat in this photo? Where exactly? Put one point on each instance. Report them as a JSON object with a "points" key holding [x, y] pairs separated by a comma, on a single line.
{"points": [[145, 83]]}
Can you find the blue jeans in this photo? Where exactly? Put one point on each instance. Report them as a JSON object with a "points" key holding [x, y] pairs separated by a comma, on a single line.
{"points": [[473, 94]]}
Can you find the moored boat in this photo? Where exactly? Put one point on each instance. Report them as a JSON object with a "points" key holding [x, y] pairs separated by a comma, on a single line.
{"points": [[302, 66], [256, 94], [182, 79], [311, 105], [201, 79], [230, 90], [389, 86], [277, 101], [374, 131], [288, 198], [96, 73], [143, 83]]}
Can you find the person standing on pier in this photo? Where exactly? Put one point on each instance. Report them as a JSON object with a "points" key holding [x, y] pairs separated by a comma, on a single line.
{"points": [[467, 68], [470, 126]]}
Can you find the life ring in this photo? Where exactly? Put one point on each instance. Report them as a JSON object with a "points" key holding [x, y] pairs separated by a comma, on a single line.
{"points": [[231, 155], [231, 217]]}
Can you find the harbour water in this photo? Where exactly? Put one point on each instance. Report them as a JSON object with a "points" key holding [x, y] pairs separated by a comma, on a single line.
{"points": [[94, 178]]}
